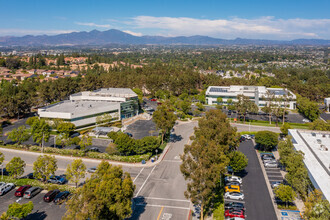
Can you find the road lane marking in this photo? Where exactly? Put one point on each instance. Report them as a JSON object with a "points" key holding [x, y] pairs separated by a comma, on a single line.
{"points": [[165, 206], [160, 213], [138, 174], [145, 181], [176, 200], [176, 161]]}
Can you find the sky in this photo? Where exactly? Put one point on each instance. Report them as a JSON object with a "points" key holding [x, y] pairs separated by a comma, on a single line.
{"points": [[229, 19]]}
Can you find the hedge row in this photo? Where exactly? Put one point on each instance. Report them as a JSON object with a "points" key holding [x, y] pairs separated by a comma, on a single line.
{"points": [[81, 153]]}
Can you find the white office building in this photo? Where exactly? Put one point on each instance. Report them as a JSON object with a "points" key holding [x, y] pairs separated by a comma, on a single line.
{"points": [[83, 108], [257, 94], [316, 148], [327, 104]]}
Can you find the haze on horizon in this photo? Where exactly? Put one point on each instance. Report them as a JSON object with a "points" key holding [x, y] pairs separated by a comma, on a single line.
{"points": [[254, 19]]}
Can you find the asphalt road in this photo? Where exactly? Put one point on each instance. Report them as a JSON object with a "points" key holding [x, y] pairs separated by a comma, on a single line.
{"points": [[258, 202], [160, 190]]}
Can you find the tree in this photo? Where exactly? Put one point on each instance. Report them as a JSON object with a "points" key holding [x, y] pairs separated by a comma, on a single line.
{"points": [[200, 106], [40, 130], [267, 139], [20, 211], [19, 135], [147, 144], [164, 119], [316, 207], [44, 166], [124, 144], [15, 167], [139, 93], [285, 193], [308, 108], [66, 128], [320, 125], [219, 101], [106, 195], [284, 128], [205, 160], [245, 105], [63, 140], [238, 161], [268, 109], [85, 141], [76, 171]]}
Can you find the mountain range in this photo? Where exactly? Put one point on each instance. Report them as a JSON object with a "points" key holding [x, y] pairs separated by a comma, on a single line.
{"points": [[114, 36]]}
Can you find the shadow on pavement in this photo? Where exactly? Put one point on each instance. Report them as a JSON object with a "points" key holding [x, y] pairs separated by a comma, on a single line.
{"points": [[37, 216], [138, 207], [175, 138]]}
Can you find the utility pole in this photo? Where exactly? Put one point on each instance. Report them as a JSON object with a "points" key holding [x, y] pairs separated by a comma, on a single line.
{"points": [[42, 143]]}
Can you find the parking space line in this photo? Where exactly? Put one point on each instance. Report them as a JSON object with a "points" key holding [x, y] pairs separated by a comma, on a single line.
{"points": [[138, 174], [145, 181], [165, 206], [160, 213], [233, 200]]}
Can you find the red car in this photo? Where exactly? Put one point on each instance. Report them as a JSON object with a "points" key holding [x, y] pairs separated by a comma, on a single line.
{"points": [[20, 191], [153, 100], [234, 213]]}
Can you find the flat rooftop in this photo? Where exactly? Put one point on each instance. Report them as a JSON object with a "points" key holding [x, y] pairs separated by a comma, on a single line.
{"points": [[316, 147], [81, 108], [109, 92]]}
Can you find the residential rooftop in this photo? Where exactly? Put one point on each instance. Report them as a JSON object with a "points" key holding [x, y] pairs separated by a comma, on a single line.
{"points": [[316, 148]]}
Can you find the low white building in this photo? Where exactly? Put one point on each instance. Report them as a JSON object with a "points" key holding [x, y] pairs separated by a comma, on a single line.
{"points": [[83, 108], [316, 148], [327, 104], [257, 94]]}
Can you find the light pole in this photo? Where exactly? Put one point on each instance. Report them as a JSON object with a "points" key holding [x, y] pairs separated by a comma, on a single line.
{"points": [[156, 154]]}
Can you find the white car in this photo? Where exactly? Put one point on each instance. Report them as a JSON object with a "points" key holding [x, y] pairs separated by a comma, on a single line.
{"points": [[247, 137], [306, 120], [5, 188], [233, 179], [271, 164], [2, 183], [234, 195]]}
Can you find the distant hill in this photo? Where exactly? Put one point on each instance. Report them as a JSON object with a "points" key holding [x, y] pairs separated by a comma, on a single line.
{"points": [[114, 36]]}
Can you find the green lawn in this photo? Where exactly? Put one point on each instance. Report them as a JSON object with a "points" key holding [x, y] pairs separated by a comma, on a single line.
{"points": [[219, 211]]}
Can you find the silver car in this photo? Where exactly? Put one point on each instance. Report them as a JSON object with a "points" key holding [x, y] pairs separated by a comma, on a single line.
{"points": [[272, 164]]}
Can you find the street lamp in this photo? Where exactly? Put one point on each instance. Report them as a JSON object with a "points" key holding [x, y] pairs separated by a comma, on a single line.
{"points": [[156, 154]]}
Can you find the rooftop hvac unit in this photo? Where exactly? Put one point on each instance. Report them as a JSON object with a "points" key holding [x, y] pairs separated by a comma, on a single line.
{"points": [[319, 141], [313, 134]]}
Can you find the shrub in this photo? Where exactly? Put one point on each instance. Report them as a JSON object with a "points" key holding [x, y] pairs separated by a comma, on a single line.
{"points": [[267, 139]]}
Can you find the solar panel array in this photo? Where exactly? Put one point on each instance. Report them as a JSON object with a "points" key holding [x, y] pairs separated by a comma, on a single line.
{"points": [[278, 92], [215, 89]]}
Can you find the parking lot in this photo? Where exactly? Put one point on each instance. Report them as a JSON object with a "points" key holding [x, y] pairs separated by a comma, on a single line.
{"points": [[257, 200], [41, 210], [142, 128]]}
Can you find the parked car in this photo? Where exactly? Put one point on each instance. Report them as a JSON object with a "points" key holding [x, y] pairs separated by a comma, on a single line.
{"points": [[2, 183], [95, 149], [91, 170], [271, 164], [233, 178], [232, 188], [76, 134], [50, 196], [6, 188], [230, 169], [238, 205], [247, 137], [234, 213], [31, 192], [234, 183], [234, 195], [153, 100], [61, 197], [276, 184], [28, 176], [241, 139], [268, 159], [306, 120], [57, 179], [4, 172], [21, 190], [129, 134]]}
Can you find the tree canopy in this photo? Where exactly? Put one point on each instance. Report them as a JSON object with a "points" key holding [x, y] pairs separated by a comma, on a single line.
{"points": [[15, 167], [106, 195], [44, 166], [267, 139]]}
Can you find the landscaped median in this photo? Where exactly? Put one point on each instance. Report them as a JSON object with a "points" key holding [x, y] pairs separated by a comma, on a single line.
{"points": [[38, 183], [81, 153]]}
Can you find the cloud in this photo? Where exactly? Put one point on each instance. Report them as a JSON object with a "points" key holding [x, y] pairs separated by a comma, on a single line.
{"points": [[91, 24], [22, 32], [133, 33], [263, 27]]}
